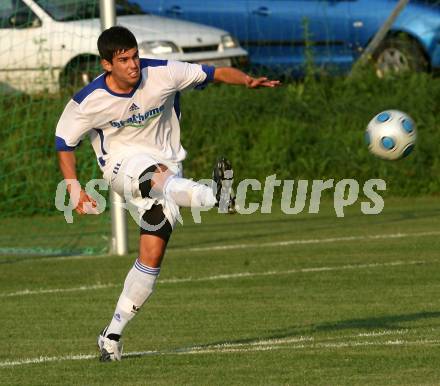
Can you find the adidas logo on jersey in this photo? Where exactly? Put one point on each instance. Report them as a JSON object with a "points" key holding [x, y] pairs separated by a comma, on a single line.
{"points": [[133, 107]]}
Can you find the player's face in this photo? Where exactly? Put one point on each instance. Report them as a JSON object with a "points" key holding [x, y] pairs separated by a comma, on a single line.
{"points": [[124, 68]]}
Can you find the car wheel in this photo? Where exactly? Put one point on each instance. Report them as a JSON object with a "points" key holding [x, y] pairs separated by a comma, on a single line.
{"points": [[80, 73], [397, 55]]}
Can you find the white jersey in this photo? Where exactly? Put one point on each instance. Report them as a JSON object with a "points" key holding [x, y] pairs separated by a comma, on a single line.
{"points": [[144, 121]]}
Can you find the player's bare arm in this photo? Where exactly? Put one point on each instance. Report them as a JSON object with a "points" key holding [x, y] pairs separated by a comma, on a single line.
{"points": [[67, 163], [230, 75]]}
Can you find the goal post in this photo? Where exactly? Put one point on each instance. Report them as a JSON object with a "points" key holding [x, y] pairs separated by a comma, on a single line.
{"points": [[45, 61]]}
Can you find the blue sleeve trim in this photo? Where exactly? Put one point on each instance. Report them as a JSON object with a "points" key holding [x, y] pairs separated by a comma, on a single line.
{"points": [[60, 145], [209, 71], [153, 62], [97, 83]]}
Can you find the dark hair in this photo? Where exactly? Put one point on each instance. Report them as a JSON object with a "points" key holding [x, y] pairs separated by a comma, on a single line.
{"points": [[115, 40]]}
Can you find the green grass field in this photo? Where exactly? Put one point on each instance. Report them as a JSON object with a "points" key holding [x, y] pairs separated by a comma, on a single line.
{"points": [[242, 300]]}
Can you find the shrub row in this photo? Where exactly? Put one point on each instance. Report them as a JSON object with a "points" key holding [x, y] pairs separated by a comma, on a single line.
{"points": [[313, 129]]}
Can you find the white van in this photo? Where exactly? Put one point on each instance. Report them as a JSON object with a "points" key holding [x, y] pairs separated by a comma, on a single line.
{"points": [[48, 44]]}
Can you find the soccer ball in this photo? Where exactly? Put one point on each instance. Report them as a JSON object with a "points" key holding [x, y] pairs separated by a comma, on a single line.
{"points": [[391, 135]]}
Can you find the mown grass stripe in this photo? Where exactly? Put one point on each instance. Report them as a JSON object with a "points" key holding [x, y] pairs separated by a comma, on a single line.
{"points": [[311, 241], [237, 275], [282, 243]]}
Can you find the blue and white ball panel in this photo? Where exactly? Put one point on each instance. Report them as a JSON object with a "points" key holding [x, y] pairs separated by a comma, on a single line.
{"points": [[383, 117], [408, 125], [388, 143], [391, 135]]}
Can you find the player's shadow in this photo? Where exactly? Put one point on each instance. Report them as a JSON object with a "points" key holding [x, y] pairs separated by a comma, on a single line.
{"points": [[385, 322], [389, 322]]}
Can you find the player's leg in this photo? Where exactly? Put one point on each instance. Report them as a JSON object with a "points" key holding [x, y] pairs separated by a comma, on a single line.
{"points": [[159, 182], [140, 281], [142, 176]]}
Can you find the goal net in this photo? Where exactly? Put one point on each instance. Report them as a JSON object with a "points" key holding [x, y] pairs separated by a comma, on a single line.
{"points": [[48, 51]]}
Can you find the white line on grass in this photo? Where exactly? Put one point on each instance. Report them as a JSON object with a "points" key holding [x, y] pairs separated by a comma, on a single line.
{"points": [[263, 345], [237, 275], [339, 345], [58, 290], [310, 241], [263, 342], [43, 359], [291, 271], [383, 333]]}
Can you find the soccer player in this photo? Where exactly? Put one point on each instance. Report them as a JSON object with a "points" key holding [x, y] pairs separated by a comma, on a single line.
{"points": [[131, 114]]}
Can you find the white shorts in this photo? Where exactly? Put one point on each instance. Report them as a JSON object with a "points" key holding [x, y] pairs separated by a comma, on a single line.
{"points": [[124, 180]]}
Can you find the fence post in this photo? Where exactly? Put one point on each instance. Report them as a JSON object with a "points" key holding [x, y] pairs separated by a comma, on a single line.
{"points": [[119, 241], [108, 13], [380, 35]]}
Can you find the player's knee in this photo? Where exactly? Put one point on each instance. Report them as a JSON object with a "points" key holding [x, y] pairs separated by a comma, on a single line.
{"points": [[154, 222], [153, 177]]}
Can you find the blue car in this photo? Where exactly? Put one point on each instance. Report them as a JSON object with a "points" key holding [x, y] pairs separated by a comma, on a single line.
{"points": [[283, 35]]}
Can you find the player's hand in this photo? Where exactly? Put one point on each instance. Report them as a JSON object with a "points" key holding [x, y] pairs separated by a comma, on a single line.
{"points": [[86, 204], [261, 82]]}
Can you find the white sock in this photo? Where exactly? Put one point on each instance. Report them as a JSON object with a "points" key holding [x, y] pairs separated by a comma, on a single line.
{"points": [[138, 286], [187, 193]]}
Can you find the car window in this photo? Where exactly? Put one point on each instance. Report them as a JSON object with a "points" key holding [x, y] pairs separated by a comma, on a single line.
{"points": [[16, 14], [128, 7], [67, 10], [70, 10]]}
